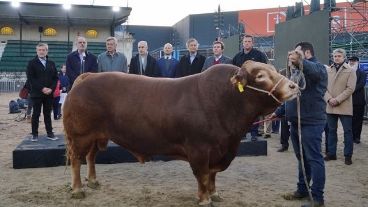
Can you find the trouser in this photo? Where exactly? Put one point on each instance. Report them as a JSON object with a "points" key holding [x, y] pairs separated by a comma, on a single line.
{"points": [[313, 159], [29, 105], [46, 103], [56, 107], [357, 122], [285, 133], [276, 126], [332, 134], [326, 138]]}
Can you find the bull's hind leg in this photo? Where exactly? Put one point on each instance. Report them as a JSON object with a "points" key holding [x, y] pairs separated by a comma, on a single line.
{"points": [[214, 195], [77, 191], [91, 161]]}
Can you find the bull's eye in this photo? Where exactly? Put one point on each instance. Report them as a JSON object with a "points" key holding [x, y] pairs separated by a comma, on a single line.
{"points": [[259, 76]]}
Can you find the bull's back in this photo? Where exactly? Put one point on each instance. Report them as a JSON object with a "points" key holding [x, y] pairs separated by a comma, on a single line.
{"points": [[127, 107]]}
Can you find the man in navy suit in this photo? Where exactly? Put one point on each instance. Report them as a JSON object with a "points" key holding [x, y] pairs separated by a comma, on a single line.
{"points": [[80, 61], [167, 64], [42, 77]]}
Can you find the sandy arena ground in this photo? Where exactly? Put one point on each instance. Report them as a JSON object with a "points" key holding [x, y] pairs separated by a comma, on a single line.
{"points": [[248, 182]]}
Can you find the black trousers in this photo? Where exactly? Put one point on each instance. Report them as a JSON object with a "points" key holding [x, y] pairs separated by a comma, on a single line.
{"points": [[46, 104], [358, 113], [285, 133]]}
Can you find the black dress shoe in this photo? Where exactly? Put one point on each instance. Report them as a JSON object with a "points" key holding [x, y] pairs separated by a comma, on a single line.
{"points": [[315, 204], [295, 196], [348, 161], [356, 141], [282, 149], [330, 157]]}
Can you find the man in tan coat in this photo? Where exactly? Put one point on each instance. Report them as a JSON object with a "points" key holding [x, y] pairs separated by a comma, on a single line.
{"points": [[341, 85]]}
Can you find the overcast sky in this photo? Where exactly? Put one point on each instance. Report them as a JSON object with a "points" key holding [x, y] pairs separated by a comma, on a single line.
{"points": [[169, 12]]}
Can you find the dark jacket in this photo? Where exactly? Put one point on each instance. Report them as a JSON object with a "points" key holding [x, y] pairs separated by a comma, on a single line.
{"points": [[150, 69], [185, 68], [40, 76], [253, 54], [73, 65], [64, 82], [358, 95], [312, 103]]}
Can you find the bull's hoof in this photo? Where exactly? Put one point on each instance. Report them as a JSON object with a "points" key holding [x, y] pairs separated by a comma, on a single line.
{"points": [[216, 197], [93, 184], [68, 187], [206, 203], [78, 194]]}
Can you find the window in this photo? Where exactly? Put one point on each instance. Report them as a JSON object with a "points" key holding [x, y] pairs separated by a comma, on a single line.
{"points": [[6, 31], [49, 32], [91, 33]]}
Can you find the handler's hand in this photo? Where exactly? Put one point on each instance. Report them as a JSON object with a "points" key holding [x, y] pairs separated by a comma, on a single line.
{"points": [[295, 57], [272, 116]]}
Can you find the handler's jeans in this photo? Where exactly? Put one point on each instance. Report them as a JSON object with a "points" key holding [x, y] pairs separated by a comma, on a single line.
{"points": [[313, 159], [346, 122]]}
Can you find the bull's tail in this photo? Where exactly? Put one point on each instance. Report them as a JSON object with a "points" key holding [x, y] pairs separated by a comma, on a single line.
{"points": [[80, 79], [68, 150]]}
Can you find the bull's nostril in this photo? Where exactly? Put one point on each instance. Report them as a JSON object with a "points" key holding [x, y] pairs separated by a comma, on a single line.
{"points": [[292, 85]]}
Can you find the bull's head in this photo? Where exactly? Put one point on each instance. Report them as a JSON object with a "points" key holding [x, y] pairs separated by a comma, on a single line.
{"points": [[264, 78]]}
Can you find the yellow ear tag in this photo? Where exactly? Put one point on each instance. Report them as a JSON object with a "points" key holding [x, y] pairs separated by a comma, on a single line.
{"points": [[240, 87]]}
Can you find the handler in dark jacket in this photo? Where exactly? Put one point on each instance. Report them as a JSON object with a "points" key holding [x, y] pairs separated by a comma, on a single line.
{"points": [[42, 76], [313, 120]]}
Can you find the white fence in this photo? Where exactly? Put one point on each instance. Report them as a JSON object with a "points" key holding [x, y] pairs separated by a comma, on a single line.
{"points": [[7, 85]]}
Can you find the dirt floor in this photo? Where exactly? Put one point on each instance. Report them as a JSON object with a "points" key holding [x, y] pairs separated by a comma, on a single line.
{"points": [[248, 182]]}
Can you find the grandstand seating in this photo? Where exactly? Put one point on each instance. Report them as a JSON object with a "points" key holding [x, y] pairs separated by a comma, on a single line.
{"points": [[13, 60]]}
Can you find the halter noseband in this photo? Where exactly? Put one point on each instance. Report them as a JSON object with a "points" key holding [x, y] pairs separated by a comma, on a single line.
{"points": [[270, 93]]}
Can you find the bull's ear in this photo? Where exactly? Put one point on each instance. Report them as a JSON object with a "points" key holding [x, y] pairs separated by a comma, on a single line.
{"points": [[240, 77]]}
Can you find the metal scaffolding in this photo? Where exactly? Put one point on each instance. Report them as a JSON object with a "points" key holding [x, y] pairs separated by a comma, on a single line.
{"points": [[349, 28]]}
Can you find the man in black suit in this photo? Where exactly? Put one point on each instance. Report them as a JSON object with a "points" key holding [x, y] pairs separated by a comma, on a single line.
{"points": [[192, 62], [143, 63], [358, 99], [80, 61], [42, 76]]}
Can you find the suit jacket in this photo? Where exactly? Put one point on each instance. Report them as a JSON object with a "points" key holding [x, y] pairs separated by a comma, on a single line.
{"points": [[73, 65], [150, 69], [341, 85], [40, 76], [210, 61], [185, 68], [168, 70], [358, 95]]}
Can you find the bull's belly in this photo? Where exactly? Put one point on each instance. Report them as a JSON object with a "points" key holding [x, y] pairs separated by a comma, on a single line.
{"points": [[144, 151]]}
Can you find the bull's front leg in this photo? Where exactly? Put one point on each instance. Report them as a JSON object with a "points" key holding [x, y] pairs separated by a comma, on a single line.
{"points": [[203, 193], [91, 161], [199, 164], [77, 191]]}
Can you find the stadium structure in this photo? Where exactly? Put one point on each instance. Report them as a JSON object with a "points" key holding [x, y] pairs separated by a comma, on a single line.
{"points": [[21, 28]]}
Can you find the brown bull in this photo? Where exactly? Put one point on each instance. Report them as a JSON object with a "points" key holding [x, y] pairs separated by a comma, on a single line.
{"points": [[199, 118]]}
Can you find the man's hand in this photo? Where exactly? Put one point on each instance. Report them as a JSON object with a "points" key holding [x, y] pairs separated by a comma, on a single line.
{"points": [[272, 116], [333, 102], [46, 91], [295, 57]]}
